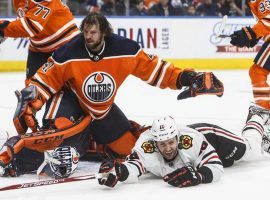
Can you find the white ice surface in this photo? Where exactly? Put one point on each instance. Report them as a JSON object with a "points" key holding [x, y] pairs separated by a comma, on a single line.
{"points": [[143, 103]]}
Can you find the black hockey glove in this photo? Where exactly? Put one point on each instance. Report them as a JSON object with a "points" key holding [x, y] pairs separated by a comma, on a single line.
{"points": [[185, 78], [112, 172], [244, 37], [183, 177], [202, 83], [3, 24], [10, 170]]}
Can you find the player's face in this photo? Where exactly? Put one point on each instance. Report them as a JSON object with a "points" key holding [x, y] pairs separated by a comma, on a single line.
{"points": [[168, 148], [94, 39]]}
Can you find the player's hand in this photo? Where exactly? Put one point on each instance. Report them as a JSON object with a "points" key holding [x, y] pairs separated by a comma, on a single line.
{"points": [[2, 39], [203, 83], [244, 37], [112, 172], [29, 101], [3, 24], [183, 177]]}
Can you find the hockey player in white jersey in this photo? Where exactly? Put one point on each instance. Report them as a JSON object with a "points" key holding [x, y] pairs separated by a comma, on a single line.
{"points": [[189, 155], [183, 157]]}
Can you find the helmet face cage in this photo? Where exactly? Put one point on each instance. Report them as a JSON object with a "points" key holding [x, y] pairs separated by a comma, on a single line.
{"points": [[164, 128], [69, 158]]}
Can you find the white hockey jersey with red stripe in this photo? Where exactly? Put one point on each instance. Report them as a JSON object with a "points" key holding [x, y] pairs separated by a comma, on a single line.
{"points": [[194, 150]]}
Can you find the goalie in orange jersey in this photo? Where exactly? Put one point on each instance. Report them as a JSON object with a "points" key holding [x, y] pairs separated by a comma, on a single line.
{"points": [[93, 65], [47, 23], [248, 37]]}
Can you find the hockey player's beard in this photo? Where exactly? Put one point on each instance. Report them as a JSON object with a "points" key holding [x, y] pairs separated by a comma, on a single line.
{"points": [[96, 46]]}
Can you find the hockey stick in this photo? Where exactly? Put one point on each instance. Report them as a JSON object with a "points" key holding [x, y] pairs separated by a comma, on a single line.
{"points": [[224, 36], [222, 27], [51, 182]]}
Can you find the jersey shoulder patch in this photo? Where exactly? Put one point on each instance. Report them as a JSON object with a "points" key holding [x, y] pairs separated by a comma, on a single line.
{"points": [[185, 142], [148, 146]]}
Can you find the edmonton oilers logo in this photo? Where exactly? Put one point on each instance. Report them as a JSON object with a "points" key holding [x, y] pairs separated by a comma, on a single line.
{"points": [[99, 87]]}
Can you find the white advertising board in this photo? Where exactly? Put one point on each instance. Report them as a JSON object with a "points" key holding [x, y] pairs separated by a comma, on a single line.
{"points": [[170, 38]]}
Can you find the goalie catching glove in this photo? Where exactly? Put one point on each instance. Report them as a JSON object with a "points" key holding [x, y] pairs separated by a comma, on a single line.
{"points": [[29, 101], [199, 84], [112, 172]]}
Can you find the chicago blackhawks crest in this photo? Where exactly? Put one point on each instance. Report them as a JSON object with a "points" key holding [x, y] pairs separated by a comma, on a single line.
{"points": [[185, 142], [148, 147]]}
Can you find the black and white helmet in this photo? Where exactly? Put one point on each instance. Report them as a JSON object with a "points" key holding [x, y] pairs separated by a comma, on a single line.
{"points": [[68, 158], [164, 128]]}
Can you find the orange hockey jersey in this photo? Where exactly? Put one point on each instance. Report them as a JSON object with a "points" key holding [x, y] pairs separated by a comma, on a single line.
{"points": [[95, 79], [48, 23], [261, 11]]}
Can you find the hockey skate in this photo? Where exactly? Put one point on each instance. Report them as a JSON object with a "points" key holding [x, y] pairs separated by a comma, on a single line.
{"points": [[254, 109]]}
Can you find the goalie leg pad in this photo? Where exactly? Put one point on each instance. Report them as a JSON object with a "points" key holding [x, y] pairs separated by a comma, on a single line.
{"points": [[26, 151], [52, 138]]}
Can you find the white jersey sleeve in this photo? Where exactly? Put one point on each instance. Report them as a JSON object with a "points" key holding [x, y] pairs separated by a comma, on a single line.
{"points": [[196, 151]]}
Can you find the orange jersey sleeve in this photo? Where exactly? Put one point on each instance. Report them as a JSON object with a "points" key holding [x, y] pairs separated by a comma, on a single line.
{"points": [[18, 4], [48, 24], [261, 12], [155, 71], [49, 79]]}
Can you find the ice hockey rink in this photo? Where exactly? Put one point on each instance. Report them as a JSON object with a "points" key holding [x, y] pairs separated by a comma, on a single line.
{"points": [[143, 103]]}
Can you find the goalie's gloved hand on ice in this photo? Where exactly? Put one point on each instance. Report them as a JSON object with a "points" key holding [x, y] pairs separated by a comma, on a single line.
{"points": [[13, 169], [3, 24], [245, 37], [183, 177], [198, 84], [29, 102], [112, 172]]}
